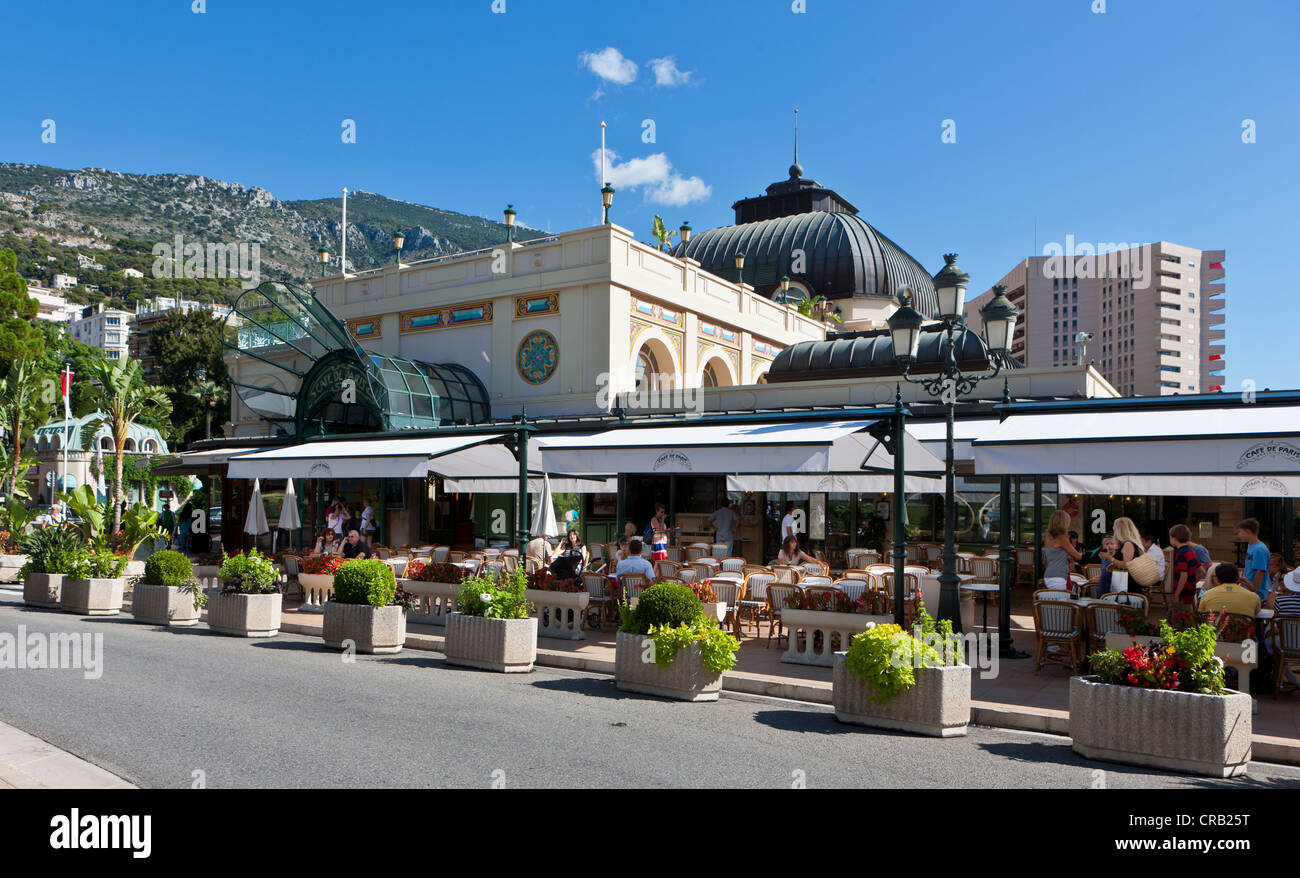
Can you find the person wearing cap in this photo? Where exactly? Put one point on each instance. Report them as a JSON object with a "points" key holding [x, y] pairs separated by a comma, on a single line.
{"points": [[1230, 596]]}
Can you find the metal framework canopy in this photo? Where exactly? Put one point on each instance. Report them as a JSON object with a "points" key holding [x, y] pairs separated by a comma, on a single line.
{"points": [[322, 382]]}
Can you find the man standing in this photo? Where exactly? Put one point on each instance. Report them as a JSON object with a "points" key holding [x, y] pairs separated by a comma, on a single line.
{"points": [[1255, 576], [788, 525], [1186, 564], [354, 547], [724, 521]]}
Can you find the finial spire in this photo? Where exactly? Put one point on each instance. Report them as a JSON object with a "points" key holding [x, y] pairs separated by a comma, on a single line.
{"points": [[796, 135]]}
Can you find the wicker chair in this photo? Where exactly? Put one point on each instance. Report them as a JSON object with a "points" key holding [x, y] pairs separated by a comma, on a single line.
{"points": [[666, 569], [1025, 566], [1051, 594], [1127, 599], [932, 555], [808, 582], [729, 592], [677, 553], [702, 571], [860, 558], [984, 569], [814, 568], [598, 585], [754, 598], [686, 573], [720, 550], [1284, 644], [881, 569], [456, 557], [696, 551], [532, 565], [786, 575], [754, 568], [777, 597], [439, 553], [1103, 618], [1060, 624], [859, 575], [734, 565], [911, 594], [598, 551], [631, 584]]}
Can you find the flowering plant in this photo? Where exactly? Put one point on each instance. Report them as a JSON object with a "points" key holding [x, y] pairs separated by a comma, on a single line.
{"points": [[1181, 661], [322, 565], [825, 601], [439, 571], [490, 598], [545, 580], [704, 592], [1135, 624], [414, 568]]}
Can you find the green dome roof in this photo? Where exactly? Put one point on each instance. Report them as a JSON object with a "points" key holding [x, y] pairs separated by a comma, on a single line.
{"points": [[139, 438]]}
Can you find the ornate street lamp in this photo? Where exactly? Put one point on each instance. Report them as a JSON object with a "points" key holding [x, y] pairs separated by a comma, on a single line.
{"points": [[740, 268], [685, 231], [948, 384], [324, 260], [399, 238], [606, 199], [510, 223]]}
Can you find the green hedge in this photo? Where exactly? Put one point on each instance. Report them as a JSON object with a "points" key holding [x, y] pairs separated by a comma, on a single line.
{"points": [[167, 568], [664, 604], [363, 581]]}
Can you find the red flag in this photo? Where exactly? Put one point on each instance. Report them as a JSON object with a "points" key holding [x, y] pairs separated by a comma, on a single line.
{"points": [[66, 383]]}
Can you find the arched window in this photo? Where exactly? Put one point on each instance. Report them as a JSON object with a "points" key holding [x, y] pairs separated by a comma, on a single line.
{"points": [[150, 445], [647, 369], [106, 443], [708, 378], [128, 445]]}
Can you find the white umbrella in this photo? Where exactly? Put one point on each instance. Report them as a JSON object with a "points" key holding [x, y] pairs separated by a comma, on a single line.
{"points": [[255, 524], [544, 522], [289, 519], [102, 486]]}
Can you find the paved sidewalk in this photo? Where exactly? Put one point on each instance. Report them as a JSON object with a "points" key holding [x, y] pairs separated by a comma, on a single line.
{"points": [[28, 763]]}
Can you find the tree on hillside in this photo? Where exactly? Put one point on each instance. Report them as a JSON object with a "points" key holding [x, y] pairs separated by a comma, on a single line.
{"points": [[124, 399], [181, 346], [18, 338]]}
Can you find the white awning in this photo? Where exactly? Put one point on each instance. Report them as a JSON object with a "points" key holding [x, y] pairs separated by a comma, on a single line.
{"points": [[199, 461], [396, 458], [1181, 486], [798, 447], [560, 485], [934, 435], [1244, 439], [836, 483]]}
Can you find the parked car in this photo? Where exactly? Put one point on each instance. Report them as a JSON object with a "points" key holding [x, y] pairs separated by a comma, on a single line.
{"points": [[214, 519]]}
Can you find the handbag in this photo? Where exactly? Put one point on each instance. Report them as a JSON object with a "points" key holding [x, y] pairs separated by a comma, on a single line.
{"points": [[1143, 570], [1119, 580]]}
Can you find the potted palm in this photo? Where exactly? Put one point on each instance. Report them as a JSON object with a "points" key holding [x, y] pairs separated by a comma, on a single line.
{"points": [[169, 594], [52, 554], [491, 628], [914, 682], [248, 604], [1162, 704], [367, 609], [667, 646]]}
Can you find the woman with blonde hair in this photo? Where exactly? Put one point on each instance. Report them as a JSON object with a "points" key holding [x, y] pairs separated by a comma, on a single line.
{"points": [[1129, 546], [1058, 551]]}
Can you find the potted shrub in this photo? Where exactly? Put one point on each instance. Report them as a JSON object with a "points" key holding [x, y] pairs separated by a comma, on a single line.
{"points": [[561, 604], [367, 608], [97, 587], [822, 623], [668, 647], [52, 554], [316, 577], [248, 604], [1162, 704], [491, 628], [434, 586], [169, 594], [917, 682]]}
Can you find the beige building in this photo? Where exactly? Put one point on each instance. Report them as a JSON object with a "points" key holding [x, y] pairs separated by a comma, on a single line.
{"points": [[1155, 312]]}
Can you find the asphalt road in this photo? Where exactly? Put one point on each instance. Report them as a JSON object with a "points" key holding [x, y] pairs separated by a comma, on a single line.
{"points": [[289, 713]]}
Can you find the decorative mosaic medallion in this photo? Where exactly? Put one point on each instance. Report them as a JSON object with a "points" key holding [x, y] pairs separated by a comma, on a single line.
{"points": [[537, 357]]}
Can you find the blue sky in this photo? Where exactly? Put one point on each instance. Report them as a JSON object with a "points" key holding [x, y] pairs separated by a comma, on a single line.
{"points": [[1119, 126]]}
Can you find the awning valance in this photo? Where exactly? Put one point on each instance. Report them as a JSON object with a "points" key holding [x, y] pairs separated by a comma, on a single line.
{"points": [[1181, 486], [397, 458], [831, 483], [559, 485], [831, 446], [1246, 439]]}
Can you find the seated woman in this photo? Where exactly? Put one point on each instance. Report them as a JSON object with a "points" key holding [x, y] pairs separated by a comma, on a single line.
{"points": [[792, 555], [326, 544]]}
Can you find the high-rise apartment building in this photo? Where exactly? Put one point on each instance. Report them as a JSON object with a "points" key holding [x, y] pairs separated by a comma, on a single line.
{"points": [[1155, 313]]}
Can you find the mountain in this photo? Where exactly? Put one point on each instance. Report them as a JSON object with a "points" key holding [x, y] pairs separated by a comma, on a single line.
{"points": [[96, 208]]}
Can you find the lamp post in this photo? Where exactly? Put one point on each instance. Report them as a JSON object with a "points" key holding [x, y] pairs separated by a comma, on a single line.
{"points": [[606, 199], [685, 231], [324, 259], [510, 223], [398, 240], [999, 317], [740, 268]]}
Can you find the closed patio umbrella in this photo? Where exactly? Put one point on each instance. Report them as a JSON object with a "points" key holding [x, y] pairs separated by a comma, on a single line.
{"points": [[544, 522], [255, 524], [289, 519]]}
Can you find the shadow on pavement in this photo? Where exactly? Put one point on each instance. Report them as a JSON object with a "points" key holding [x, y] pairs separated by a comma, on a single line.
{"points": [[822, 723], [595, 688], [292, 645]]}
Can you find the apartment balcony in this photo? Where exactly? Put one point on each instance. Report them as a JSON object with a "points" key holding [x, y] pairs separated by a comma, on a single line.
{"points": [[1212, 334]]}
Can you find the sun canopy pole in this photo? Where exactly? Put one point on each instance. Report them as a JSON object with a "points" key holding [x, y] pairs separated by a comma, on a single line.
{"points": [[900, 499]]}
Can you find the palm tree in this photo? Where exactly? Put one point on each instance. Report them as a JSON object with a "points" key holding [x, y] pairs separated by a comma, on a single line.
{"points": [[22, 406], [124, 397]]}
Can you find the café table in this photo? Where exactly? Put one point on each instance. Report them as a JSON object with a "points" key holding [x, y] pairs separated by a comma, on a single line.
{"points": [[986, 589]]}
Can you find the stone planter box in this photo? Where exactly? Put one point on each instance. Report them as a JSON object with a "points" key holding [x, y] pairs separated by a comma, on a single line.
{"points": [[163, 605], [1231, 653], [317, 588], [825, 623], [504, 645], [1178, 731], [92, 597], [938, 705], [559, 613], [685, 679], [373, 630], [43, 590], [244, 615], [207, 573], [10, 565], [437, 600]]}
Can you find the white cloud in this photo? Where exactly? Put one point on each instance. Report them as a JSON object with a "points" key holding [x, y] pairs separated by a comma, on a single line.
{"points": [[666, 72], [610, 65], [654, 176]]}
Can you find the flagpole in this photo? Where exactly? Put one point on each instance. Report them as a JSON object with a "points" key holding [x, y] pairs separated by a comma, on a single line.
{"points": [[67, 424]]}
